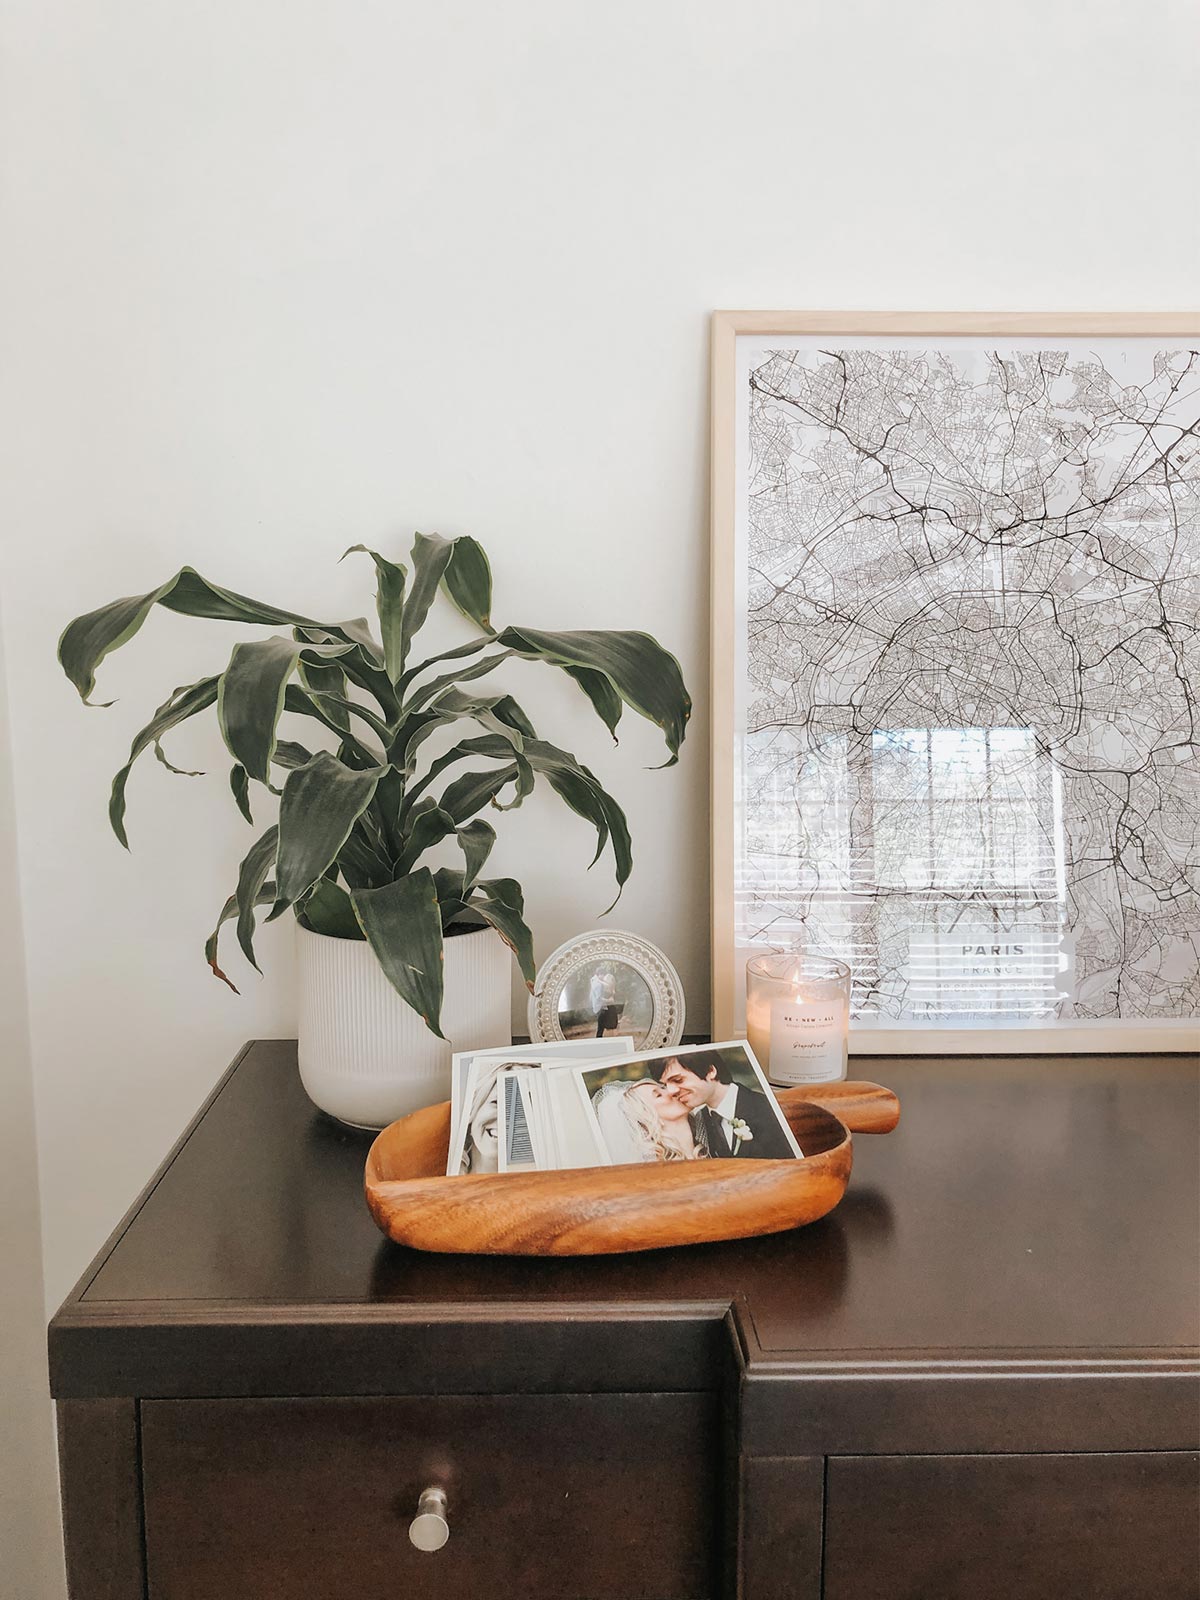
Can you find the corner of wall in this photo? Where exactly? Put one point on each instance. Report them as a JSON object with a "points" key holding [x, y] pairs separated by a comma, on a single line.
{"points": [[30, 1530]]}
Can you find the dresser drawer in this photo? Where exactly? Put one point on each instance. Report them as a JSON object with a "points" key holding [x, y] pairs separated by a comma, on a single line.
{"points": [[576, 1497], [1012, 1527]]}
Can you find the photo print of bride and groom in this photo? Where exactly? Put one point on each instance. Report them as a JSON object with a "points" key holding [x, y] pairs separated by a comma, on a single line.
{"points": [[695, 1103], [538, 1109]]}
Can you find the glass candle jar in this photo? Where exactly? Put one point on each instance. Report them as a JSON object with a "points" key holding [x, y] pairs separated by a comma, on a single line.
{"points": [[798, 1016]]}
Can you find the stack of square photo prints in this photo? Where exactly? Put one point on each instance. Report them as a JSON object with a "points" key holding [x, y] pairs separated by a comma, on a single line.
{"points": [[593, 1102]]}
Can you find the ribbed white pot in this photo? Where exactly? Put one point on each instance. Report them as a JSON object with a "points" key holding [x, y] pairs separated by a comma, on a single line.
{"points": [[365, 1056]]}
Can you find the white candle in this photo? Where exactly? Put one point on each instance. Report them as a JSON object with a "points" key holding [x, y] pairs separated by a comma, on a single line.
{"points": [[798, 1017], [758, 1026]]}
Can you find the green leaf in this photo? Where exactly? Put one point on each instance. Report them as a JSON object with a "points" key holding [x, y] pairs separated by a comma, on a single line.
{"points": [[458, 753], [328, 910], [326, 678], [160, 755], [500, 902], [471, 648], [468, 794], [584, 794], [239, 782], [414, 791], [523, 787], [450, 885], [184, 702], [86, 641], [328, 642], [362, 863], [193, 596], [321, 803], [369, 826], [599, 690], [339, 708], [476, 839], [477, 669], [265, 896], [250, 697], [389, 603], [429, 825], [403, 926], [468, 581], [288, 753], [359, 630], [361, 661], [496, 712], [502, 707], [477, 789], [641, 672], [386, 807], [302, 704], [430, 554], [410, 736], [506, 710], [252, 874], [582, 791]]}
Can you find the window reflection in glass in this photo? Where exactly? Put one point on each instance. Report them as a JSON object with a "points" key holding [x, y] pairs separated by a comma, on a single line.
{"points": [[929, 858]]}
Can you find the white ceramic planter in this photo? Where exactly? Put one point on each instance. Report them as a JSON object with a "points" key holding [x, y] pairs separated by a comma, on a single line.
{"points": [[367, 1058]]}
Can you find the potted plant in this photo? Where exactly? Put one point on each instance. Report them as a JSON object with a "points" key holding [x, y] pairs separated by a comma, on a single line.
{"points": [[400, 960]]}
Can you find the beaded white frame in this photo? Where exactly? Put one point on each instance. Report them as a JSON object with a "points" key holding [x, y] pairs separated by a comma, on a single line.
{"points": [[655, 971]]}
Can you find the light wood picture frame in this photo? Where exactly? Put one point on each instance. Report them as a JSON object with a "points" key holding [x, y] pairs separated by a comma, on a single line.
{"points": [[986, 347]]}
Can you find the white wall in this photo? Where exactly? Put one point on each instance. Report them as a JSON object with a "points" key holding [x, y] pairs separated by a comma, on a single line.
{"points": [[287, 275]]}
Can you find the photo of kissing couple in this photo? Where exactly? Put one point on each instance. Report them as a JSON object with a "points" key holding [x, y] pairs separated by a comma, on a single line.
{"points": [[690, 1103]]}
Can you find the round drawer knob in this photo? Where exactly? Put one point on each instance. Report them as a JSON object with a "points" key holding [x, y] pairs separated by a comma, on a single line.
{"points": [[429, 1529]]}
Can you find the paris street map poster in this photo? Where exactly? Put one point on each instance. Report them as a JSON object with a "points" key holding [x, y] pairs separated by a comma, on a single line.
{"points": [[956, 666]]}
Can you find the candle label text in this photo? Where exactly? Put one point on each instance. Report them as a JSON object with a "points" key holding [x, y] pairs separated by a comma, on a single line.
{"points": [[807, 1041]]}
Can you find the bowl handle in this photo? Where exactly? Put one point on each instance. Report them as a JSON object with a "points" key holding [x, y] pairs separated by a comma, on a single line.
{"points": [[862, 1107]]}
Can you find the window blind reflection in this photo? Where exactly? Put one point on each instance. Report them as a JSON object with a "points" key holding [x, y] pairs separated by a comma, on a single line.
{"points": [[931, 859]]}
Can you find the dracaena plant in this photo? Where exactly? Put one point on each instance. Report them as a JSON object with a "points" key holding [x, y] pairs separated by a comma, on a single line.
{"points": [[348, 851]]}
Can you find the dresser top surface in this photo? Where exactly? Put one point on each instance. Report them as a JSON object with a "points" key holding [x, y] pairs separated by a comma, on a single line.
{"points": [[1024, 1204]]}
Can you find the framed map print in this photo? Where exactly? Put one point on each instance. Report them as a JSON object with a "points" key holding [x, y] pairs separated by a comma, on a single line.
{"points": [[956, 672]]}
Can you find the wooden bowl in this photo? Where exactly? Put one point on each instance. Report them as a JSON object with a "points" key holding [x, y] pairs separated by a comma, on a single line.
{"points": [[604, 1210]]}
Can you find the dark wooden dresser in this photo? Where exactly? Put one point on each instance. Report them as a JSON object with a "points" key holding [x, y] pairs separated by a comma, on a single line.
{"points": [[976, 1380]]}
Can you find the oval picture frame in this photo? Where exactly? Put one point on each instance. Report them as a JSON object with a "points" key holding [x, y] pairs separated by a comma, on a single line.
{"points": [[637, 968]]}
